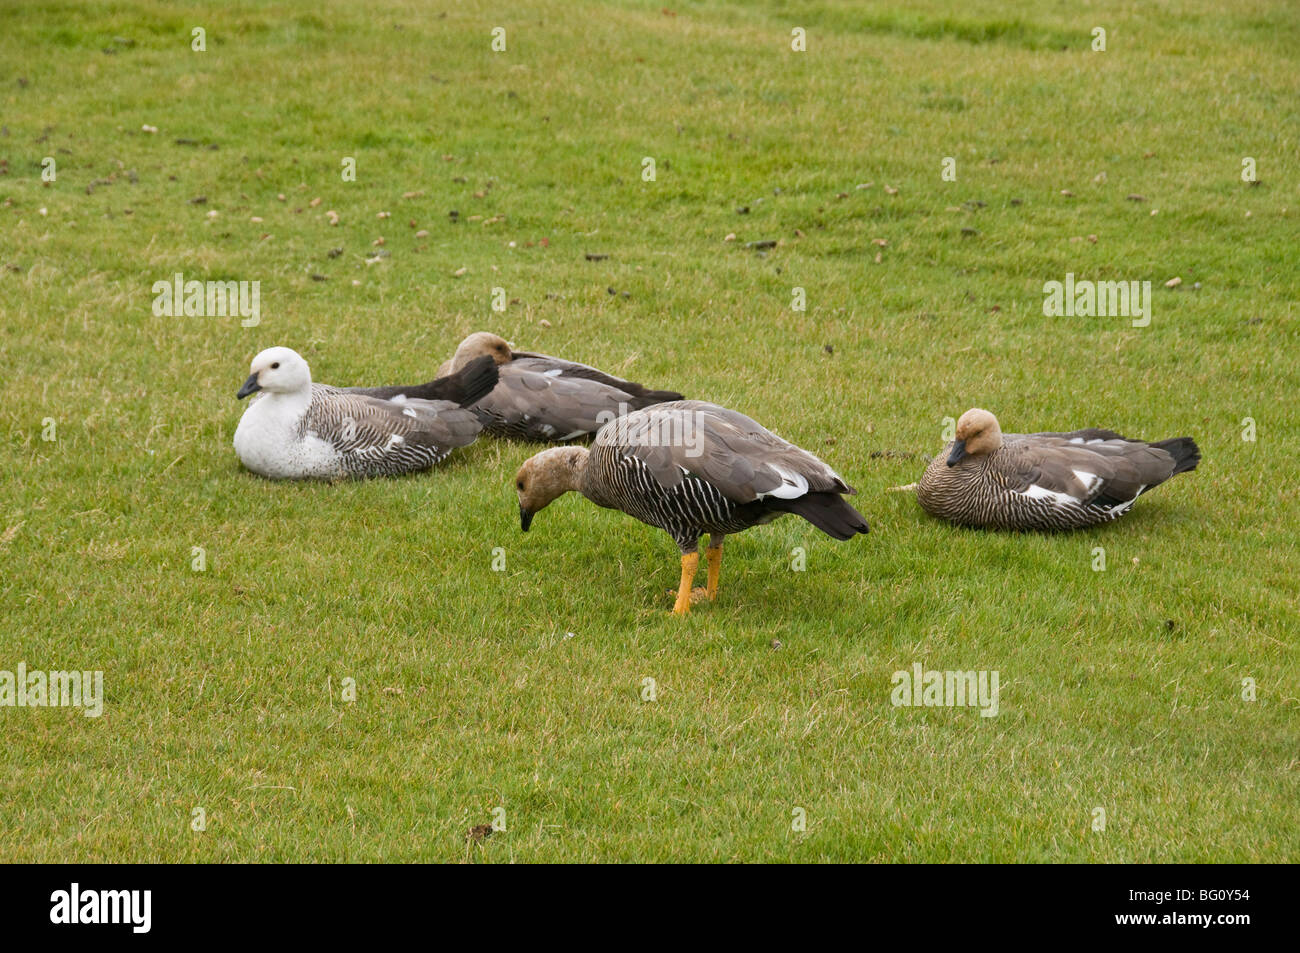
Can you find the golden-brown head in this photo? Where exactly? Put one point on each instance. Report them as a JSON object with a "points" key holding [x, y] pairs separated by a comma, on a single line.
{"points": [[978, 433], [478, 344], [545, 477]]}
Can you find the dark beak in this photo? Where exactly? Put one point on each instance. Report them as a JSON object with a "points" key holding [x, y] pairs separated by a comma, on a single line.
{"points": [[251, 386], [525, 518], [958, 453]]}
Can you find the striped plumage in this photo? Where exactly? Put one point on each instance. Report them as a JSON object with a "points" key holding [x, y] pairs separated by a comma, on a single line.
{"points": [[302, 430], [385, 438], [548, 399], [692, 468], [685, 512], [1044, 481]]}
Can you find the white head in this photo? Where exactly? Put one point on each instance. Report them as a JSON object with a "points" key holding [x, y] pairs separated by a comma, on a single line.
{"points": [[277, 370]]}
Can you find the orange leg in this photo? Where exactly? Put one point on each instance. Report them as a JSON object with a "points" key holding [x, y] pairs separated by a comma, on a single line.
{"points": [[690, 562], [714, 554]]}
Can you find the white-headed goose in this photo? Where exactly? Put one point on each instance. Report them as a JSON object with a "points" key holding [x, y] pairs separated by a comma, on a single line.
{"points": [[299, 430]]}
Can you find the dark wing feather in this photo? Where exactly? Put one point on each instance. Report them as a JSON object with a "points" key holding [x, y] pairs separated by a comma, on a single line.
{"points": [[1091, 433], [464, 387]]}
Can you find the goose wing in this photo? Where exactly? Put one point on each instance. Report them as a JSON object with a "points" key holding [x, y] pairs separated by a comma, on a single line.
{"points": [[549, 403], [1106, 470], [735, 454], [357, 423], [548, 364]]}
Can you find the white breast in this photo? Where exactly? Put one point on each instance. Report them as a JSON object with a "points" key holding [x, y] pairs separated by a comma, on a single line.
{"points": [[267, 443]]}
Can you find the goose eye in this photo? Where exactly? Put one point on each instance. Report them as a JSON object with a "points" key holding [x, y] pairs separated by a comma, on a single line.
{"points": [[275, 365]]}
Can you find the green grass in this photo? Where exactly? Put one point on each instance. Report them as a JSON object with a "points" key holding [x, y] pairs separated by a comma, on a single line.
{"points": [[1119, 689]]}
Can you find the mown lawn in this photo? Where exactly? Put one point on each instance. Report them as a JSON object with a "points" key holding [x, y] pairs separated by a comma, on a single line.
{"points": [[1121, 689]]}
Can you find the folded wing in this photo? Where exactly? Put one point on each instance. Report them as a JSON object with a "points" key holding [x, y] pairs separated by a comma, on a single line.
{"points": [[728, 450], [545, 399], [1085, 467], [359, 424]]}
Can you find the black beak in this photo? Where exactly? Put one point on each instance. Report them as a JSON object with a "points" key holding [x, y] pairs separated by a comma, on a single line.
{"points": [[525, 518], [251, 386], [958, 453]]}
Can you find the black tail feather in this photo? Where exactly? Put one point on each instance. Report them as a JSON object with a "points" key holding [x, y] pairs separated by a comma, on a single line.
{"points": [[1184, 450], [475, 380], [829, 512], [642, 398], [468, 385]]}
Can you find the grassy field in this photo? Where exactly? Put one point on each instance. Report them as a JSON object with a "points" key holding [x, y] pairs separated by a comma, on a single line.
{"points": [[523, 689]]}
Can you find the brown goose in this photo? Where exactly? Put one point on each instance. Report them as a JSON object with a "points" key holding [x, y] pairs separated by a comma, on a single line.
{"points": [[690, 468], [1044, 481], [547, 399]]}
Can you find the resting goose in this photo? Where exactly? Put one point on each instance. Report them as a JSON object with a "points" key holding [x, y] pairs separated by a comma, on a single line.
{"points": [[299, 430], [690, 468], [544, 399], [1044, 481]]}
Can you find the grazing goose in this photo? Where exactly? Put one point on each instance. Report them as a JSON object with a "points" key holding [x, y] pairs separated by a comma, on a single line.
{"points": [[545, 399], [690, 468], [299, 430], [1044, 481]]}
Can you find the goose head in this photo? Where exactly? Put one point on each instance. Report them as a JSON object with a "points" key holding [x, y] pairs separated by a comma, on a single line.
{"points": [[277, 370], [978, 434], [479, 344], [546, 477]]}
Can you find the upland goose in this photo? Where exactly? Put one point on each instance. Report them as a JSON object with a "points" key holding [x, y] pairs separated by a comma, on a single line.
{"points": [[1044, 481], [690, 468], [548, 399], [299, 430]]}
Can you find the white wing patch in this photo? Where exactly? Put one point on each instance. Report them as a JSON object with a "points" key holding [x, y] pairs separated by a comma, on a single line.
{"points": [[409, 412], [1091, 482], [792, 486], [555, 372], [1036, 492]]}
